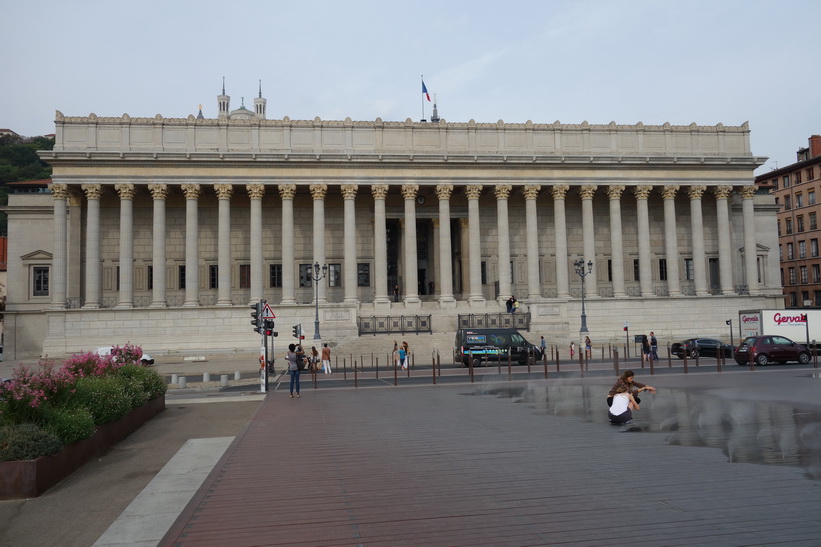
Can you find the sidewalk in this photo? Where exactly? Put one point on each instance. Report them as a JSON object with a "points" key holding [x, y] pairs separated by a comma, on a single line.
{"points": [[466, 465]]}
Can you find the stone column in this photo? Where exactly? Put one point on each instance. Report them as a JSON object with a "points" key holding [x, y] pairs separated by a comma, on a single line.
{"points": [[446, 299], [256, 193], [126, 296], [224, 192], [616, 243], [697, 228], [192, 252], [318, 193], [475, 296], [750, 246], [437, 267], [534, 285], [93, 287], [587, 191], [671, 240], [380, 243], [349, 195], [411, 272], [286, 193], [464, 262], [59, 266], [502, 192], [643, 219], [725, 253], [560, 227], [159, 192]]}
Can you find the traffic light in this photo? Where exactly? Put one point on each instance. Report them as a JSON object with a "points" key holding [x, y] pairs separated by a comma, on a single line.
{"points": [[257, 320], [296, 331], [269, 328]]}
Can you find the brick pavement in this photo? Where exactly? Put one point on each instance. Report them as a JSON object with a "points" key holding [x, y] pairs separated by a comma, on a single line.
{"points": [[520, 464]]}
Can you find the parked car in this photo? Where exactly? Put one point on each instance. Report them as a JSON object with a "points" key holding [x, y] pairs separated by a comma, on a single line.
{"points": [[701, 347], [770, 348], [492, 345], [106, 350]]}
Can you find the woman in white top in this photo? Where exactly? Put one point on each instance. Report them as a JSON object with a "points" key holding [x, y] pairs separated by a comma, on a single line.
{"points": [[621, 411]]}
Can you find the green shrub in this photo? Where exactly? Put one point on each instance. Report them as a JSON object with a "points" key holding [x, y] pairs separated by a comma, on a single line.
{"points": [[26, 442], [69, 424], [107, 398], [145, 384]]}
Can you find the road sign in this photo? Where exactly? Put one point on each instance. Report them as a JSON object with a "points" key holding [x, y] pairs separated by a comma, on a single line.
{"points": [[267, 312]]}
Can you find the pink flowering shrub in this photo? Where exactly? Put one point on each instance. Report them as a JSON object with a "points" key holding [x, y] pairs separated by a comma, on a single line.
{"points": [[31, 388], [128, 354]]}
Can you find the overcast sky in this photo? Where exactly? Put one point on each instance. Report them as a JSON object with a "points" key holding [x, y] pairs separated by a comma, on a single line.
{"points": [[686, 61]]}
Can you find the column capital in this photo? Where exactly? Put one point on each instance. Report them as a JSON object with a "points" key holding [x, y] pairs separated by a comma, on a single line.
{"points": [[318, 191], [531, 191], [92, 191], [125, 190], [409, 191], [669, 191], [747, 192], [58, 191], [586, 191], [722, 192], [224, 191], [349, 191], [192, 191], [255, 191], [287, 191], [614, 191], [695, 192], [502, 191], [444, 191], [473, 191], [559, 191], [642, 191], [158, 191], [379, 191], [463, 223]]}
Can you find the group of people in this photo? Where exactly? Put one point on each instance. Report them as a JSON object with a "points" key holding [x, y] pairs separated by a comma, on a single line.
{"points": [[401, 354], [588, 348], [297, 360], [512, 305], [649, 348], [623, 398]]}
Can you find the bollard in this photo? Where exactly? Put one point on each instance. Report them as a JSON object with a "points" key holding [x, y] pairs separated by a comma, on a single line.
{"points": [[470, 365], [206, 377], [509, 365], [395, 373], [652, 367], [182, 382], [616, 360], [355, 376], [685, 362], [237, 375], [344, 369], [814, 354], [433, 366], [557, 358], [175, 378], [669, 356], [224, 380], [544, 361], [581, 362]]}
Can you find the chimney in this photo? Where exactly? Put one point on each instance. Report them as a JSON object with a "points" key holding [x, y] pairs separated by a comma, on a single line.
{"points": [[815, 146]]}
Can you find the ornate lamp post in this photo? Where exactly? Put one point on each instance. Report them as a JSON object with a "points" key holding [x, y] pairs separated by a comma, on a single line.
{"points": [[317, 278], [579, 265]]}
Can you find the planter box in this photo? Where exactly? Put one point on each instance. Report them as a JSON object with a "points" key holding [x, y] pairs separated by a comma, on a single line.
{"points": [[30, 478]]}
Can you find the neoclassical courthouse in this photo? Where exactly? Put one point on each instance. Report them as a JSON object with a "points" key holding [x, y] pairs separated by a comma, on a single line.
{"points": [[161, 231]]}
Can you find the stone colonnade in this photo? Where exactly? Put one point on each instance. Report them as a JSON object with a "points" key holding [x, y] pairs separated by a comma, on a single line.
{"points": [[409, 192]]}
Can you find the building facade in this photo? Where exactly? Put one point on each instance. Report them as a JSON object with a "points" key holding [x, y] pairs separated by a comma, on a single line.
{"points": [[795, 187], [161, 231]]}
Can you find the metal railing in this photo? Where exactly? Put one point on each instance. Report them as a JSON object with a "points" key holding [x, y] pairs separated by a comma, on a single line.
{"points": [[385, 324], [493, 321]]}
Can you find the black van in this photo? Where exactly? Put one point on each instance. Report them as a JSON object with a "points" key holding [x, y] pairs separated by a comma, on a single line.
{"points": [[491, 345]]}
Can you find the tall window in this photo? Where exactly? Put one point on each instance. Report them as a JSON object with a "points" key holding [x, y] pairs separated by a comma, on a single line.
{"points": [[484, 272], [213, 276], [790, 251], [780, 252], [610, 270], [802, 249], [814, 248], [275, 275], [363, 274], [813, 221], [181, 277], [688, 269], [810, 197], [810, 173], [662, 269], [244, 276], [788, 225], [799, 200], [816, 273], [150, 280], [775, 183], [793, 300], [786, 181], [778, 225], [800, 223], [798, 177], [787, 202], [334, 275], [306, 275], [636, 269], [803, 271], [791, 273], [40, 281]]}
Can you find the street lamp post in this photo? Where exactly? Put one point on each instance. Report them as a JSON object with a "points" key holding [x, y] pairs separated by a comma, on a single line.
{"points": [[317, 278], [579, 265]]}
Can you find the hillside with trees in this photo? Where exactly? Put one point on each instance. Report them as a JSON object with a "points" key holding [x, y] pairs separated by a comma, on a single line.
{"points": [[19, 161]]}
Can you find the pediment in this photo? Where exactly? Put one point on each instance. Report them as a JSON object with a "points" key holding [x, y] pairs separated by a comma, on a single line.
{"points": [[37, 255]]}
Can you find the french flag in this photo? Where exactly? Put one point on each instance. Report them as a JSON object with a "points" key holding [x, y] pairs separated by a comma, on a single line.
{"points": [[425, 91]]}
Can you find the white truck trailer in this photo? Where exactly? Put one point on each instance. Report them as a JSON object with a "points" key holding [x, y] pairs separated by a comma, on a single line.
{"points": [[800, 325]]}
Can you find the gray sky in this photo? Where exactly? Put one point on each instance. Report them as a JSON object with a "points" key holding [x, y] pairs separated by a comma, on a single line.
{"points": [[653, 61]]}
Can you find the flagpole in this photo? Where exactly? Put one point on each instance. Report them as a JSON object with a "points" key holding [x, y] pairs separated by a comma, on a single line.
{"points": [[423, 98]]}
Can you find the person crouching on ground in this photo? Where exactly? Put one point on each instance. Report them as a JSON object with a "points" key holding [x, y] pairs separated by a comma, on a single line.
{"points": [[627, 381], [621, 411]]}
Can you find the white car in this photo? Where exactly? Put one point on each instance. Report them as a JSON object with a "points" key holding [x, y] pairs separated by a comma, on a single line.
{"points": [[106, 350]]}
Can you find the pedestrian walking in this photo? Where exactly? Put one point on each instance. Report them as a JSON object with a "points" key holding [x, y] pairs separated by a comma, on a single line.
{"points": [[572, 349], [542, 345], [402, 357], [654, 346], [293, 368], [645, 348], [314, 359], [326, 359]]}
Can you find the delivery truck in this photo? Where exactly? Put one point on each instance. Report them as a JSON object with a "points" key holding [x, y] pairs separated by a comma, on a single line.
{"points": [[801, 325]]}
